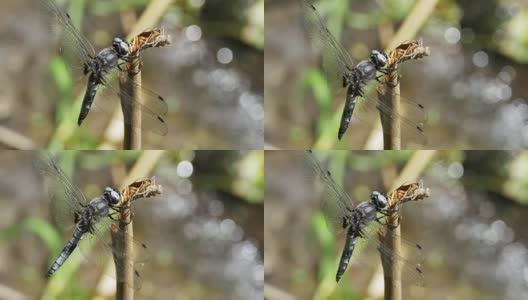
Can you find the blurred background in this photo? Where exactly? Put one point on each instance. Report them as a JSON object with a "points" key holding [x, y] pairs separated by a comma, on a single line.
{"points": [[204, 232], [471, 84], [472, 227], [211, 75]]}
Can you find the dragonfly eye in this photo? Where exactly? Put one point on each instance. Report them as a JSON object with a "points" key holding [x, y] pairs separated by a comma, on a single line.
{"points": [[378, 58], [112, 196], [121, 46], [379, 200]]}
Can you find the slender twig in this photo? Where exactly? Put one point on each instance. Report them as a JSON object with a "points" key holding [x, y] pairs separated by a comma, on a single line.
{"points": [[391, 235], [130, 84], [271, 292], [138, 189], [125, 271], [14, 140], [389, 93], [407, 31], [392, 238], [132, 117]]}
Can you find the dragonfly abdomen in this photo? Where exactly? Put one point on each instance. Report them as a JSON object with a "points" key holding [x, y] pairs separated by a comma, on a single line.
{"points": [[350, 244], [353, 92], [68, 249], [89, 96]]}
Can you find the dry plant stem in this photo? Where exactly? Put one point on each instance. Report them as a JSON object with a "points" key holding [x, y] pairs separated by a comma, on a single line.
{"points": [[407, 31], [392, 271], [138, 189], [132, 117], [391, 97], [389, 93], [125, 274], [393, 288], [405, 193], [14, 140]]}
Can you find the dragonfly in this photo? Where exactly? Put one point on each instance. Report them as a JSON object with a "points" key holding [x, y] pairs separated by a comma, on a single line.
{"points": [[90, 220], [361, 222], [100, 67], [341, 72]]}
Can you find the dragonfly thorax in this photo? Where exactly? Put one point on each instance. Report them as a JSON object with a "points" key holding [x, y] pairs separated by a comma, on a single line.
{"points": [[105, 61]]}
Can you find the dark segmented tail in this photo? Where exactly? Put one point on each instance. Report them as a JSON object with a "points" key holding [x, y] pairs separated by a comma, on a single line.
{"points": [[350, 104], [350, 244], [67, 251], [89, 96]]}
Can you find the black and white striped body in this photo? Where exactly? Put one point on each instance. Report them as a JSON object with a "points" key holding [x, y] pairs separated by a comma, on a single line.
{"points": [[358, 77], [104, 62], [87, 219], [359, 218]]}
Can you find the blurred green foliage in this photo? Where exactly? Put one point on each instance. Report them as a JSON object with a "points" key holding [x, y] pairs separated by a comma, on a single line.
{"points": [[250, 181]]}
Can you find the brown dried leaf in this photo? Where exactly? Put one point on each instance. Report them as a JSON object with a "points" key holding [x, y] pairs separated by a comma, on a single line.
{"points": [[140, 189], [408, 192], [148, 39], [406, 51]]}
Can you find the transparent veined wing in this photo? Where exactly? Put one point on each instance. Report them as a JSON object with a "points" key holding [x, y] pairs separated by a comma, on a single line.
{"points": [[336, 204], [412, 116], [153, 107], [98, 249], [66, 198], [410, 258], [335, 59], [73, 44]]}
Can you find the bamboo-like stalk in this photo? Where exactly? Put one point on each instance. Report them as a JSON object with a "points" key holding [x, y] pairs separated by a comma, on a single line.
{"points": [[389, 93], [130, 84], [392, 238], [391, 97], [125, 273], [407, 31], [132, 117]]}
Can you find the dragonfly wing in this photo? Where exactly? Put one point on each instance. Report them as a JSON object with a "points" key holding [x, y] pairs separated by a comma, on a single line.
{"points": [[152, 106], [336, 204], [66, 198], [97, 249], [335, 59], [74, 44], [412, 116], [410, 259]]}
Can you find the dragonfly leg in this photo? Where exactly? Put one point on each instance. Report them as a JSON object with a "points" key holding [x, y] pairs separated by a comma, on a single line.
{"points": [[91, 228], [112, 216], [134, 65], [380, 221], [384, 71]]}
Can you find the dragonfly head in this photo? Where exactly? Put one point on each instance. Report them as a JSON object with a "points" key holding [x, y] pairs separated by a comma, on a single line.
{"points": [[120, 46], [379, 200], [112, 196], [378, 58]]}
